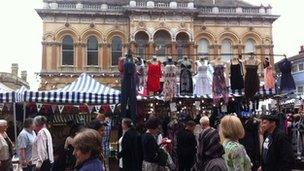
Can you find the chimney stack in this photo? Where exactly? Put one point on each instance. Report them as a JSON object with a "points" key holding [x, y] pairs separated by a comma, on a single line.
{"points": [[302, 49], [15, 69], [23, 75]]}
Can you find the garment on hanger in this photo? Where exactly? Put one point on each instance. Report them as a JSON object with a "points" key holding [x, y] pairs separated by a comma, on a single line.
{"points": [[169, 87], [287, 82], [128, 91], [236, 77], [154, 75], [186, 84], [252, 82], [219, 88], [269, 78], [141, 73], [202, 82]]}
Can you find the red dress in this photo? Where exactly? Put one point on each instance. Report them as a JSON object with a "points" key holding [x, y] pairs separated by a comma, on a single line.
{"points": [[154, 75]]}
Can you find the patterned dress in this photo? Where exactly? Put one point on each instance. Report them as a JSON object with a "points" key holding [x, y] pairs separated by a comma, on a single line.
{"points": [[219, 88], [236, 157], [186, 85], [268, 78], [170, 82]]}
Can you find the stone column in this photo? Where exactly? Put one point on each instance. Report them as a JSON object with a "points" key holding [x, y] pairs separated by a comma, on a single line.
{"points": [[54, 56], [79, 55], [174, 50], [105, 56], [191, 51], [151, 49], [44, 55], [100, 55], [216, 51]]}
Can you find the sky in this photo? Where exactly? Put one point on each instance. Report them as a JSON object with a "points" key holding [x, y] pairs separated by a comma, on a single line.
{"points": [[21, 33]]}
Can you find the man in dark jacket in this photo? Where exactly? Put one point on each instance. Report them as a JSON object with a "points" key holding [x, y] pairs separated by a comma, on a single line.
{"points": [[131, 145], [276, 151], [186, 147]]}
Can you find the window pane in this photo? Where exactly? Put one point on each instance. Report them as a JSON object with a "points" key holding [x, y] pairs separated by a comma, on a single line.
{"points": [[67, 43], [301, 67], [226, 50], [67, 51], [67, 58], [92, 51], [116, 50], [250, 46], [294, 68], [300, 89], [203, 46], [92, 58], [92, 43]]}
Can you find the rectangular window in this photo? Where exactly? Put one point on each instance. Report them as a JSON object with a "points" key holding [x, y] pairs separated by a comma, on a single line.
{"points": [[115, 57], [93, 58], [68, 57], [300, 89], [294, 68], [301, 67]]}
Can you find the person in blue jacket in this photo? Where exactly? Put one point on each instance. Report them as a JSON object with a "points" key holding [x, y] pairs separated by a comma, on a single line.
{"points": [[87, 150]]}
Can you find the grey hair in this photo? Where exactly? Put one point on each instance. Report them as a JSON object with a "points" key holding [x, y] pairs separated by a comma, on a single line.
{"points": [[40, 120]]}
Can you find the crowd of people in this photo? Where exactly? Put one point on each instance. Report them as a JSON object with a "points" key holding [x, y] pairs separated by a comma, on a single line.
{"points": [[210, 149]]}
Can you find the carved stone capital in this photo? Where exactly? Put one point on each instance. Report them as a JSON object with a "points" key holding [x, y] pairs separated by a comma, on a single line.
{"points": [[214, 46], [51, 43], [80, 44]]}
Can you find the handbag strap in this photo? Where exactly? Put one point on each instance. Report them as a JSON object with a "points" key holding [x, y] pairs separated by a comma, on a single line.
{"points": [[47, 147]]}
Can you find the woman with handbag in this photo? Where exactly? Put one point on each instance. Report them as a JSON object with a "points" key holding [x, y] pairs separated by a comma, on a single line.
{"points": [[42, 150]]}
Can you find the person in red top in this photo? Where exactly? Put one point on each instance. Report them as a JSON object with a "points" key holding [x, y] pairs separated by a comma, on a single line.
{"points": [[154, 75]]}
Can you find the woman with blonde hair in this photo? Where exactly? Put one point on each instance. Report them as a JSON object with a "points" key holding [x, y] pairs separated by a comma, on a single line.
{"points": [[231, 130]]}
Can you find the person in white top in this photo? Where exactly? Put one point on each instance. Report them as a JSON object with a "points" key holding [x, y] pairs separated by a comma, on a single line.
{"points": [[5, 148], [42, 151]]}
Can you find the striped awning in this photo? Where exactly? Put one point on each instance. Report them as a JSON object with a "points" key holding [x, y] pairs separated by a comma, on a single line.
{"points": [[7, 95], [83, 90]]}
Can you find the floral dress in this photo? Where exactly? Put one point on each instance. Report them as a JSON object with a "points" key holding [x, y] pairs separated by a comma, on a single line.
{"points": [[268, 78], [236, 157], [219, 88], [170, 82]]}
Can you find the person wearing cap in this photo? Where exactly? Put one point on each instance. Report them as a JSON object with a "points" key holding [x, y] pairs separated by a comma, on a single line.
{"points": [[186, 147], [276, 149], [6, 147]]}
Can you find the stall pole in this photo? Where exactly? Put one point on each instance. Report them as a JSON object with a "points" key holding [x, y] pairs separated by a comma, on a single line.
{"points": [[15, 121], [24, 111]]}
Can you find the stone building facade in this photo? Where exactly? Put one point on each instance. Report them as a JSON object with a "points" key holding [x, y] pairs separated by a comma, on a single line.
{"points": [[12, 80], [90, 35]]}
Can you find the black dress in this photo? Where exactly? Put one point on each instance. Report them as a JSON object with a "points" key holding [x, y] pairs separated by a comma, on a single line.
{"points": [[186, 85], [252, 81], [236, 77], [287, 82]]}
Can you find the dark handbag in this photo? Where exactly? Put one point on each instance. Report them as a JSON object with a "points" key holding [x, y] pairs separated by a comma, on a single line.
{"points": [[46, 165]]}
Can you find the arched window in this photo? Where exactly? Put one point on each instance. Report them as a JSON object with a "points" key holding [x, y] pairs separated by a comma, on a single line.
{"points": [[226, 50], [92, 51], [141, 39], [116, 49], [203, 48], [67, 51], [250, 46], [182, 40]]}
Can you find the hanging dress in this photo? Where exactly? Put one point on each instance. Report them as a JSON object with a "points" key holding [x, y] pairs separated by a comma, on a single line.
{"points": [[141, 74], [186, 85], [203, 83], [219, 88], [287, 82], [169, 87], [252, 82], [154, 75], [268, 78], [236, 77]]}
